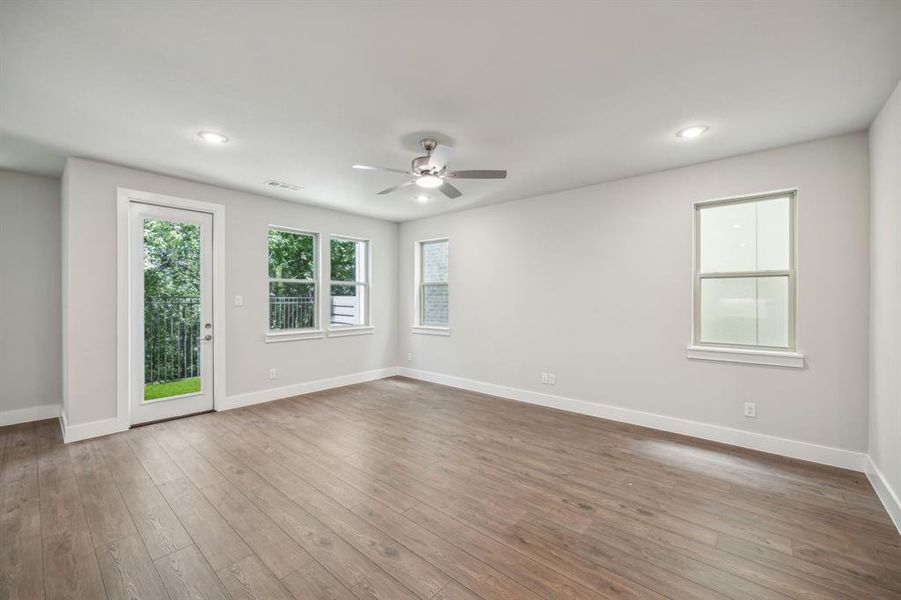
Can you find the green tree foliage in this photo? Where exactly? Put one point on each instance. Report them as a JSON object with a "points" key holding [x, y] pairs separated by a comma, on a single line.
{"points": [[344, 260], [171, 259], [344, 266], [291, 255], [171, 300]]}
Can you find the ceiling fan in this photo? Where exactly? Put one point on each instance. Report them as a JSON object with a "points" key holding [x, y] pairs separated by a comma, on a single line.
{"points": [[430, 171]]}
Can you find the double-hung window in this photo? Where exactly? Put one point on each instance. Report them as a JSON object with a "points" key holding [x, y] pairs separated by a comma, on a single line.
{"points": [[349, 299], [432, 294], [744, 282], [293, 279]]}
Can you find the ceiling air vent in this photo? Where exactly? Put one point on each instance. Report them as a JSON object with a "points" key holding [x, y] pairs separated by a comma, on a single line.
{"points": [[283, 186]]}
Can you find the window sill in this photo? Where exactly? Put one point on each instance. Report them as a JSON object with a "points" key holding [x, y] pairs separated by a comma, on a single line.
{"points": [[431, 330], [274, 337], [773, 358], [351, 330]]}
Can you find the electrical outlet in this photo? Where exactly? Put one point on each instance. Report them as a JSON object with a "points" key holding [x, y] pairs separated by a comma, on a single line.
{"points": [[551, 379], [273, 373], [239, 300], [409, 357], [544, 378], [751, 409]]}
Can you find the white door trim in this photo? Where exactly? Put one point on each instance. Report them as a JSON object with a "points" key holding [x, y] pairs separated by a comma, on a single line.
{"points": [[124, 199]]}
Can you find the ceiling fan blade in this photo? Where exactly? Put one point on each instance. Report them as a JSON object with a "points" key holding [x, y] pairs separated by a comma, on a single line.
{"points": [[368, 168], [450, 191], [439, 157], [484, 174], [396, 187]]}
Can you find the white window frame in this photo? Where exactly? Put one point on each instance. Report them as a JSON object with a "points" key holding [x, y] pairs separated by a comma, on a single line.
{"points": [[724, 352], [366, 269], [305, 333], [418, 285]]}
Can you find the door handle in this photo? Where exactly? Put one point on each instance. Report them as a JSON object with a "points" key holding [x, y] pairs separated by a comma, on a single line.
{"points": [[205, 338]]}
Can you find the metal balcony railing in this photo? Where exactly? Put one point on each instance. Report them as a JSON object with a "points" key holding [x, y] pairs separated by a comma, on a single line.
{"points": [[291, 312], [172, 328], [171, 347]]}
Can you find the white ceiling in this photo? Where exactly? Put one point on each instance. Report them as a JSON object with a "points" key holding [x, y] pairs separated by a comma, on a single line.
{"points": [[562, 94]]}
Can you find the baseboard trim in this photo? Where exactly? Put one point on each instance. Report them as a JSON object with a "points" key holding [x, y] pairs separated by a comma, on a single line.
{"points": [[31, 413], [307, 387], [83, 431], [826, 455], [890, 499]]}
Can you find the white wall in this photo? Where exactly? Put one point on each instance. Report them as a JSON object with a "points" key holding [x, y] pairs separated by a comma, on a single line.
{"points": [[89, 249], [623, 249], [885, 293], [29, 297]]}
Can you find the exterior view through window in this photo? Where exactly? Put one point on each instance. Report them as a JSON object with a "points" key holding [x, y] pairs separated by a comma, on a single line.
{"points": [[171, 309], [292, 279], [350, 282], [433, 293], [745, 272]]}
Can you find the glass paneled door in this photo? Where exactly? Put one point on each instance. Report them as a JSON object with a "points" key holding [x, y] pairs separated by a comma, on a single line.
{"points": [[171, 312]]}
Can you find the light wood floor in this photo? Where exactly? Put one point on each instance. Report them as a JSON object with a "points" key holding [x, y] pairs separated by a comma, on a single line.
{"points": [[399, 489]]}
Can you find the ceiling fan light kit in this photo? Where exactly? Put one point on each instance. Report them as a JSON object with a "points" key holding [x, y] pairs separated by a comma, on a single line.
{"points": [[429, 181], [430, 171]]}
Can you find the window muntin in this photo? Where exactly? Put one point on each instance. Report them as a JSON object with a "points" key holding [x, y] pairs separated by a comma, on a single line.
{"points": [[745, 272], [433, 289], [349, 289], [293, 279]]}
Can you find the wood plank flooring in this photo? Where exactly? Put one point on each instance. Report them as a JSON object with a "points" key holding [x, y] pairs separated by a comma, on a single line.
{"points": [[400, 489]]}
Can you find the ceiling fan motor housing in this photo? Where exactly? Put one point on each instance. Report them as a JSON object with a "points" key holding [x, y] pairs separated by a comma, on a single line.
{"points": [[420, 164]]}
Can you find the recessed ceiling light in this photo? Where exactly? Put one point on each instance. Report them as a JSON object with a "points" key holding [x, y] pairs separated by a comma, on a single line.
{"points": [[365, 168], [212, 137], [421, 198], [429, 181], [691, 132]]}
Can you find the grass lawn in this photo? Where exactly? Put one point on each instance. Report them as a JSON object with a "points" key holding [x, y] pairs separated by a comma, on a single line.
{"points": [[152, 391]]}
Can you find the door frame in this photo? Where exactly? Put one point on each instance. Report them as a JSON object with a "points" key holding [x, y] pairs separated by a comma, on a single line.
{"points": [[124, 198]]}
